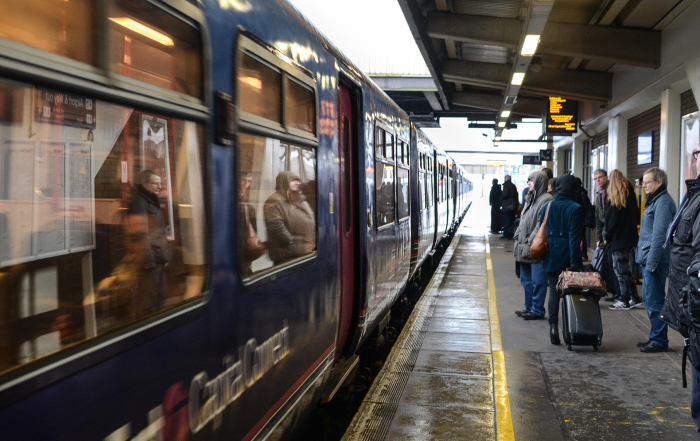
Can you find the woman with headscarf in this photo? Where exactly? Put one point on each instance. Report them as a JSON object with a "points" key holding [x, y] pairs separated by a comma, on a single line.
{"points": [[290, 221], [621, 219], [563, 238], [495, 202], [532, 275]]}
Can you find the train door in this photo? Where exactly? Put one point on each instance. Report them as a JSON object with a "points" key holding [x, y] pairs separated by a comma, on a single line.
{"points": [[347, 199]]}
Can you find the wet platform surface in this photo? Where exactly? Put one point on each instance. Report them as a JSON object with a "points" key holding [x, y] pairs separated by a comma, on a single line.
{"points": [[446, 379]]}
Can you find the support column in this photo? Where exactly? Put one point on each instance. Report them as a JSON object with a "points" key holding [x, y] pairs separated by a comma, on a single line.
{"points": [[670, 141], [559, 162], [577, 157], [617, 144], [551, 164]]}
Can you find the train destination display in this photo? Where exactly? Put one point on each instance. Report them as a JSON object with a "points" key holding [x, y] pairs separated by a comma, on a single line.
{"points": [[560, 116]]}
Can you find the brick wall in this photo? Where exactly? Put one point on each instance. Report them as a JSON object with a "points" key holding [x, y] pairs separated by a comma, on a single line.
{"points": [[600, 139], [649, 120], [688, 104]]}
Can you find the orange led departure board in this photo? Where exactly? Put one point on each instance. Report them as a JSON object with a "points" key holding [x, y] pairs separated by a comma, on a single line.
{"points": [[560, 116]]}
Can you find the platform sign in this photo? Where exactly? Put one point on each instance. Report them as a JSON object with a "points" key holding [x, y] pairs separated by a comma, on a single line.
{"points": [[531, 160], [65, 108], [560, 116], [546, 155]]}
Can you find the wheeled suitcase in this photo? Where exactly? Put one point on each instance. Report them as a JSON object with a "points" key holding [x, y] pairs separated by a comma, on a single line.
{"points": [[582, 324]]}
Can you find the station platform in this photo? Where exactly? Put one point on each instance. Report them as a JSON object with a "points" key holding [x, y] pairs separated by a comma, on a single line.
{"points": [[466, 367]]}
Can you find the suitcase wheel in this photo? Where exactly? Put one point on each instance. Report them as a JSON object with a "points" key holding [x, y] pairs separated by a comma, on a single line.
{"points": [[568, 346], [595, 348]]}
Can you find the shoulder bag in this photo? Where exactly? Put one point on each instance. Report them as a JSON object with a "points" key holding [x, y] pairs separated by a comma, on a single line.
{"points": [[539, 246]]}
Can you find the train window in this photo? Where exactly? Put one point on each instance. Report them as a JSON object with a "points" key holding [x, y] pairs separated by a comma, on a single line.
{"points": [[385, 197], [259, 89], [277, 203], [150, 45], [102, 219], [300, 107], [379, 142], [402, 206], [62, 28], [389, 146]]}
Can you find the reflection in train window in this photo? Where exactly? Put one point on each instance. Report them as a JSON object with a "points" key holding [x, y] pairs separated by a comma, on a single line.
{"points": [[300, 107], [385, 196], [276, 203], [403, 192], [101, 216], [152, 46], [259, 89]]}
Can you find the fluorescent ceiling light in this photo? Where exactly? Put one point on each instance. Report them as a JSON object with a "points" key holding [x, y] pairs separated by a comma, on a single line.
{"points": [[502, 124], [518, 78], [530, 45], [505, 113], [144, 30], [497, 139]]}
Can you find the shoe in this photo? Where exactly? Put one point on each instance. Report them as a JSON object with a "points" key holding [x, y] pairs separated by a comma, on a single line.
{"points": [[641, 344], [530, 316], [612, 299], [652, 347], [635, 304], [554, 333], [620, 306], [520, 313]]}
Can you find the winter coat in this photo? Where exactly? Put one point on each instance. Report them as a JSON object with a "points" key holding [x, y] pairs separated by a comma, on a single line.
{"points": [[529, 218], [563, 228], [621, 223], [509, 192], [684, 244], [600, 215], [658, 214], [495, 195], [146, 203], [290, 222]]}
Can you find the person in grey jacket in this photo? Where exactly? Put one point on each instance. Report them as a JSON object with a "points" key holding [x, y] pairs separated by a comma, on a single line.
{"points": [[532, 275], [658, 214]]}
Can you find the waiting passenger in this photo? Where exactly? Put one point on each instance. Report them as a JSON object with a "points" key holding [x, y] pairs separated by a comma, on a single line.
{"points": [[548, 172], [290, 222], [495, 202], [551, 186], [564, 251], [653, 257], [509, 205], [621, 219], [157, 253], [532, 275]]}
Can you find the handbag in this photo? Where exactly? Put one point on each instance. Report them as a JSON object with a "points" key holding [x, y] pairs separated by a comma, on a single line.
{"points": [[539, 245], [571, 282], [598, 256], [253, 247]]}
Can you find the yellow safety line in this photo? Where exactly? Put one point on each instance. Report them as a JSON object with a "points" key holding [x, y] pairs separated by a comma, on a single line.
{"points": [[504, 419]]}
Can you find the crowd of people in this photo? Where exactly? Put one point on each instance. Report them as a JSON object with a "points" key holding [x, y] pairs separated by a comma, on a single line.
{"points": [[666, 247]]}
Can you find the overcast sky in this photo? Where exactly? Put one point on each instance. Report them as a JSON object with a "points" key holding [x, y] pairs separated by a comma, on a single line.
{"points": [[374, 35]]}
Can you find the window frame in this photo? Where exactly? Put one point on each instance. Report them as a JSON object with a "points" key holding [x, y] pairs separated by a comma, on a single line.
{"points": [[250, 124], [404, 164], [40, 69], [379, 125]]}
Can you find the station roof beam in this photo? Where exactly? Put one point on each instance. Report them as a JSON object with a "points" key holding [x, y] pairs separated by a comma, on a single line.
{"points": [[526, 106]]}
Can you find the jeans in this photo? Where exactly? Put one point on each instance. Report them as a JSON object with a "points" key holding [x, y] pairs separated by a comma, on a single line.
{"points": [[534, 281], [654, 295], [553, 303], [623, 272], [695, 396]]}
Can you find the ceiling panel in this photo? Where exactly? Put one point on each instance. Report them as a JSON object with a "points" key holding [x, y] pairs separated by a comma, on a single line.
{"points": [[483, 53], [574, 11], [492, 8]]}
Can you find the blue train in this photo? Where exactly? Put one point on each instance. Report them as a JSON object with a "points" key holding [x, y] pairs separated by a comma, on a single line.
{"points": [[205, 210]]}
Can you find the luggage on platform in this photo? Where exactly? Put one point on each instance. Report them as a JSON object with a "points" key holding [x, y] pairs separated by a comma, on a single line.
{"points": [[601, 263], [582, 324], [581, 283]]}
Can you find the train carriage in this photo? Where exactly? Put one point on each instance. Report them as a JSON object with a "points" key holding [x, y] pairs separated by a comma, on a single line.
{"points": [[287, 195]]}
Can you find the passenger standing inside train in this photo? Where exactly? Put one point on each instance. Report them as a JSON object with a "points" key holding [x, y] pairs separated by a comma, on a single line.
{"points": [[495, 203], [621, 219], [290, 222], [251, 246], [683, 240], [157, 253], [563, 233], [653, 257], [532, 275], [509, 204]]}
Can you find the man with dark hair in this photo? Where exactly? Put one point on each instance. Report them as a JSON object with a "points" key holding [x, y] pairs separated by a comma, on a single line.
{"points": [[509, 204], [157, 253]]}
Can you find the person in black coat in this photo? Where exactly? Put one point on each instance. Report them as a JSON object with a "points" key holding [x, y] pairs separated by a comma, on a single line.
{"points": [[509, 204], [621, 220], [495, 203]]}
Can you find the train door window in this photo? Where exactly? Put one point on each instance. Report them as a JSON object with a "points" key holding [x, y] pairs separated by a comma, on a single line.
{"points": [[150, 45], [102, 220], [384, 179], [402, 184], [276, 165], [62, 28]]}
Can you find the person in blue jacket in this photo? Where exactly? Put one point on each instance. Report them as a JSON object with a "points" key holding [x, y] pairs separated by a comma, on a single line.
{"points": [[563, 237], [654, 258]]}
